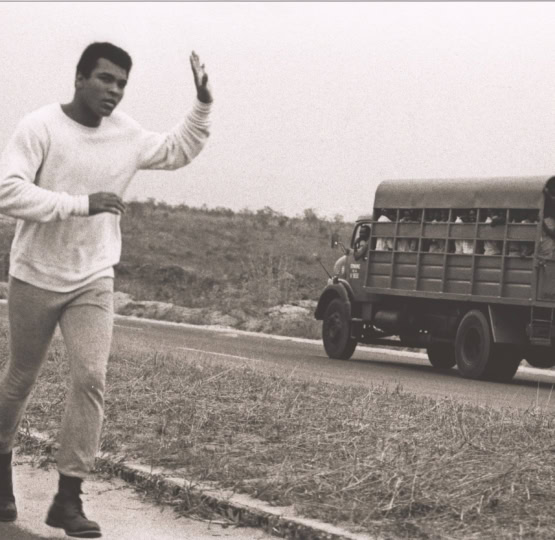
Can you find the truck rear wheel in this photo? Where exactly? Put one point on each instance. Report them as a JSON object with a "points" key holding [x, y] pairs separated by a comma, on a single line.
{"points": [[477, 356], [473, 345], [441, 355], [336, 332], [540, 357], [503, 363]]}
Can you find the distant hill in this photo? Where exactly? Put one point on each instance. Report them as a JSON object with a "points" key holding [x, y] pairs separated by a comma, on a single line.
{"points": [[200, 257]]}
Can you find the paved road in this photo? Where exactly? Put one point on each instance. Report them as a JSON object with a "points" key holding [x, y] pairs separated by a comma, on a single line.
{"points": [[306, 359]]}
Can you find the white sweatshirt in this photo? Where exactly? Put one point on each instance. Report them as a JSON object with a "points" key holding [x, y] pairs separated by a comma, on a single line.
{"points": [[50, 167]]}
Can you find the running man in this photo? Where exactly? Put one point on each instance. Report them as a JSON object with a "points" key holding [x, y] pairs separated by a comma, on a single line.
{"points": [[63, 175]]}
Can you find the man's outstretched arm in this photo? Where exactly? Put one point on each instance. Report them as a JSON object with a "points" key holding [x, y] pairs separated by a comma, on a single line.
{"points": [[181, 145]]}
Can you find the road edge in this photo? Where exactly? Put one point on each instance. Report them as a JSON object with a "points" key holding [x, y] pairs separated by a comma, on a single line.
{"points": [[239, 509]]}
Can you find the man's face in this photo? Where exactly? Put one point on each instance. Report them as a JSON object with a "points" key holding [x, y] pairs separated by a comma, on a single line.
{"points": [[104, 89]]}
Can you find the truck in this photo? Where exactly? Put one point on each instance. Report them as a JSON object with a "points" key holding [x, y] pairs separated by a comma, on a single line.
{"points": [[463, 268]]}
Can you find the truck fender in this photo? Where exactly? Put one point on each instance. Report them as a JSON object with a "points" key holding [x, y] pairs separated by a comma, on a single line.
{"points": [[507, 325], [340, 289]]}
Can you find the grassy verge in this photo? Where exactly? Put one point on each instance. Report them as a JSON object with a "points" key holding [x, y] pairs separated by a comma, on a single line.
{"points": [[381, 461]]}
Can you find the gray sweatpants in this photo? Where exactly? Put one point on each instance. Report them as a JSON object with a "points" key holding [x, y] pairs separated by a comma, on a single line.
{"points": [[85, 317]]}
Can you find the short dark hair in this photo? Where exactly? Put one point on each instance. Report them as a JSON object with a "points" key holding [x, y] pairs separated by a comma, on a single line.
{"points": [[94, 51]]}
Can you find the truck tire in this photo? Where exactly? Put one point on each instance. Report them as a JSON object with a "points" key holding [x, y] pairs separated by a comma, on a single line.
{"points": [[473, 345], [503, 363], [336, 332], [441, 355], [477, 356], [540, 357]]}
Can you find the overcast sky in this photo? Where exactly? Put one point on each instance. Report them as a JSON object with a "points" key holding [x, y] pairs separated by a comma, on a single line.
{"points": [[315, 103]]}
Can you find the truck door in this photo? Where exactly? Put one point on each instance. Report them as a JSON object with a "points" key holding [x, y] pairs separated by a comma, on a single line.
{"points": [[356, 269]]}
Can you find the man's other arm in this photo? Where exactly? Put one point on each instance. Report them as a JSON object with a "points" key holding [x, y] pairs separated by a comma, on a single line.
{"points": [[20, 197]]}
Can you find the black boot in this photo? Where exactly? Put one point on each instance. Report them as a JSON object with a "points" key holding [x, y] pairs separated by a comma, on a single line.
{"points": [[66, 512], [8, 510]]}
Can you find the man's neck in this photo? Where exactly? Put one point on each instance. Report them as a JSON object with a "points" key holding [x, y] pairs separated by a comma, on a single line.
{"points": [[81, 115]]}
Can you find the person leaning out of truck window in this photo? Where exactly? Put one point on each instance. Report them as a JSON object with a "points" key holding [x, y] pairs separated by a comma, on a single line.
{"points": [[494, 218], [384, 244], [406, 244], [513, 247], [521, 249], [458, 243], [361, 243], [437, 245], [434, 246], [465, 246], [416, 217]]}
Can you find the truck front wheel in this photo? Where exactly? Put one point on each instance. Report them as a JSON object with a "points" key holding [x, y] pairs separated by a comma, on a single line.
{"points": [[336, 332]]}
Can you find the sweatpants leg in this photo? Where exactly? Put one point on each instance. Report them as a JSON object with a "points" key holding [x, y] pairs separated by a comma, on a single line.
{"points": [[86, 324], [32, 321]]}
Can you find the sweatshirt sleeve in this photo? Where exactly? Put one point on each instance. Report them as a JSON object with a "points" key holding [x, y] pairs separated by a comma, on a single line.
{"points": [[20, 197], [179, 146]]}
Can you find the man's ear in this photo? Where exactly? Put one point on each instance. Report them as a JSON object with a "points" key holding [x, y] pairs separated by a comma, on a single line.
{"points": [[79, 78]]}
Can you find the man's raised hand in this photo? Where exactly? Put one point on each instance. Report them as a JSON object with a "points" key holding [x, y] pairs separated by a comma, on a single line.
{"points": [[105, 202], [204, 92]]}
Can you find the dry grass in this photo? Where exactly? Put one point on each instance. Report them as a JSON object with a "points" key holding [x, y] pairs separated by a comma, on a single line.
{"points": [[223, 260], [381, 461]]}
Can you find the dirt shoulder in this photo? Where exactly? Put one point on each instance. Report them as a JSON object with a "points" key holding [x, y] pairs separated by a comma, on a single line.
{"points": [[295, 319]]}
